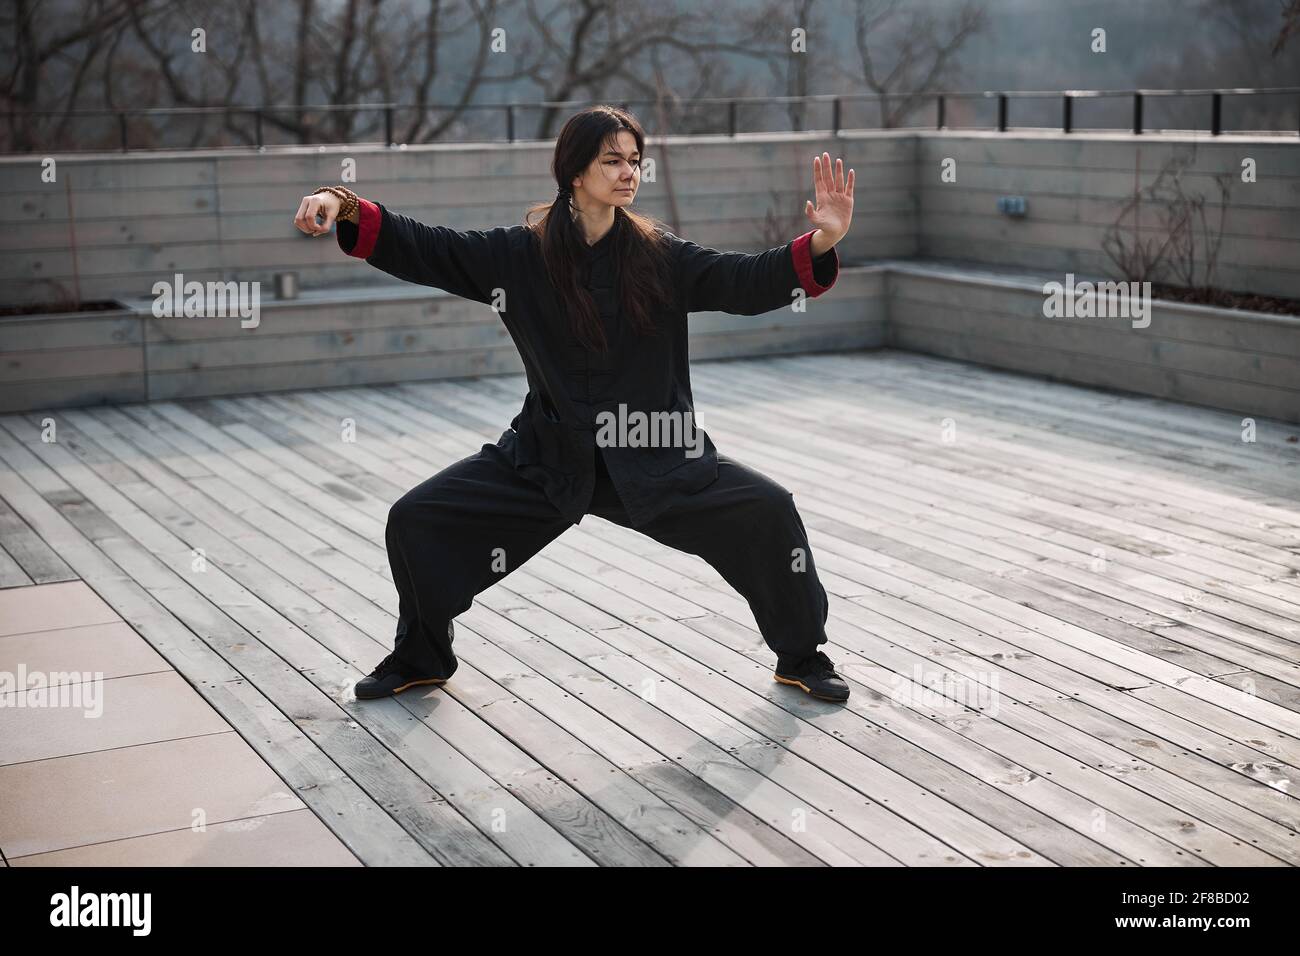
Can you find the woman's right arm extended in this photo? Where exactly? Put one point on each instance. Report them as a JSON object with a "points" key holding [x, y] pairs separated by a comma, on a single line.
{"points": [[468, 264]]}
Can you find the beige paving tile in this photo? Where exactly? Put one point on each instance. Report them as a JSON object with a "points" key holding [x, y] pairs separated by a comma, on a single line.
{"points": [[295, 838], [132, 710], [44, 607], [115, 650], [67, 802]]}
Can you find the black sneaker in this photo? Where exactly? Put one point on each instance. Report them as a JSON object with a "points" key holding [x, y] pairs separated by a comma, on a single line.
{"points": [[816, 675], [392, 676]]}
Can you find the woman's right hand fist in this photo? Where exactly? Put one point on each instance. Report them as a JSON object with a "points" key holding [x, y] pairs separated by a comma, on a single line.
{"points": [[324, 205]]}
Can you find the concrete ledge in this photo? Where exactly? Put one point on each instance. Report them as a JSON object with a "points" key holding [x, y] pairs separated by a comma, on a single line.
{"points": [[1224, 358], [71, 358], [355, 335], [391, 332]]}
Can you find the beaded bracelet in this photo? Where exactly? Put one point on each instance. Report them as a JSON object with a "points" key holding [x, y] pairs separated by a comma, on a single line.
{"points": [[348, 199]]}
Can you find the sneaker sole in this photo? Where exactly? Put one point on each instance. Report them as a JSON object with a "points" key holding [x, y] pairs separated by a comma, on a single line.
{"points": [[397, 690], [806, 689]]}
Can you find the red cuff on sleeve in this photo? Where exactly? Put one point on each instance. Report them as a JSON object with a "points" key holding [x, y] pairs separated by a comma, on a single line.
{"points": [[803, 266], [368, 229]]}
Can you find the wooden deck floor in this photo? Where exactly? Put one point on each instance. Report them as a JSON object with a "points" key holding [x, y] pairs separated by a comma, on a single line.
{"points": [[1072, 633]]}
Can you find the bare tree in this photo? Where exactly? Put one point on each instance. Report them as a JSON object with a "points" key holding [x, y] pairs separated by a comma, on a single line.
{"points": [[301, 56], [346, 54], [1174, 245], [1290, 24], [179, 87], [608, 50], [921, 49], [781, 220], [38, 45], [799, 78]]}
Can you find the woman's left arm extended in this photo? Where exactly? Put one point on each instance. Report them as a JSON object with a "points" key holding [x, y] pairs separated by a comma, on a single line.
{"points": [[751, 284]]}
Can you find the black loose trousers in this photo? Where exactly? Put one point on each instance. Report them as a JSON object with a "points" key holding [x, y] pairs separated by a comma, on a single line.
{"points": [[477, 520]]}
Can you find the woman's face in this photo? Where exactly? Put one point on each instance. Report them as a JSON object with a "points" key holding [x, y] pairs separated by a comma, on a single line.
{"points": [[614, 175]]}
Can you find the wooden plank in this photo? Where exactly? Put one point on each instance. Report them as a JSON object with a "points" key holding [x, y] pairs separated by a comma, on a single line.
{"points": [[679, 790], [221, 610], [1011, 252], [37, 561], [1057, 841], [1274, 653], [1203, 437], [650, 820], [1108, 339], [786, 340], [921, 588], [747, 810], [1102, 446], [143, 172], [117, 199], [358, 821], [622, 585], [891, 741], [1251, 467], [388, 368], [25, 368], [1113, 151], [599, 842], [1283, 844], [325, 607], [1009, 352], [950, 519], [903, 836], [1242, 218], [1196, 490], [1263, 457], [257, 348], [1112, 184], [1188, 569], [960, 289], [663, 602], [1277, 256], [783, 390], [357, 308], [79, 330], [932, 502], [12, 574]]}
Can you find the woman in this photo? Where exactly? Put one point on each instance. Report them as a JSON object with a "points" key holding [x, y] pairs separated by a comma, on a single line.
{"points": [[595, 297]]}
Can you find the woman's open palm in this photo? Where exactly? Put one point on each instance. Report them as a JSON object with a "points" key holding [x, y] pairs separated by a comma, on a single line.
{"points": [[834, 208]]}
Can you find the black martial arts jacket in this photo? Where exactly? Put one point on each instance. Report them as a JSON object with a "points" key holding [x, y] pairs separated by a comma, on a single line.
{"points": [[553, 438]]}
